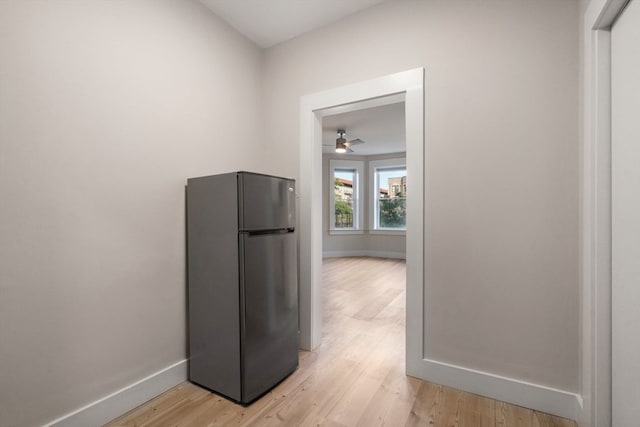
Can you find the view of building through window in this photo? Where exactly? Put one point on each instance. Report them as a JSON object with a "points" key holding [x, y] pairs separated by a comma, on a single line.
{"points": [[391, 209], [390, 195]]}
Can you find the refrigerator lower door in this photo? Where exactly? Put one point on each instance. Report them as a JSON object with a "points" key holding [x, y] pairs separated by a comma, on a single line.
{"points": [[269, 296]]}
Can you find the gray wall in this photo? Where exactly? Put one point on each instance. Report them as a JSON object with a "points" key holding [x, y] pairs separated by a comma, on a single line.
{"points": [[357, 244], [501, 233], [106, 107]]}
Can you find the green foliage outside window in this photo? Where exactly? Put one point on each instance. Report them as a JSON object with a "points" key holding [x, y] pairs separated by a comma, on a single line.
{"points": [[393, 212], [343, 208]]}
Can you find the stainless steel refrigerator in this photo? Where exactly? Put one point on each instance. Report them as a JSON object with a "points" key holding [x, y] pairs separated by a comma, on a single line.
{"points": [[242, 283]]}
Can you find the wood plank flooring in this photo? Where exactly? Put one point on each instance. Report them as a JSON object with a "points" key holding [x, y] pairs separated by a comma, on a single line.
{"points": [[355, 378]]}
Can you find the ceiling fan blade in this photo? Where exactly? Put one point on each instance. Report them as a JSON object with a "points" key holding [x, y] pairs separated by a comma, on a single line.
{"points": [[349, 150], [354, 142]]}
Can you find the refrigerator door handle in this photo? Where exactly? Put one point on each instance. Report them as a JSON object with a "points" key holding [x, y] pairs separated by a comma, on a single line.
{"points": [[263, 232]]}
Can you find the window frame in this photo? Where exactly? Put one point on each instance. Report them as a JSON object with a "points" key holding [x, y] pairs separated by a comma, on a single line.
{"points": [[358, 193], [374, 196]]}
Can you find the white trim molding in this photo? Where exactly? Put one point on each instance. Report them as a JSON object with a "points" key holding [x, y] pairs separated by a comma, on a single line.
{"points": [[385, 232], [344, 232], [595, 286], [374, 254], [541, 398], [115, 404]]}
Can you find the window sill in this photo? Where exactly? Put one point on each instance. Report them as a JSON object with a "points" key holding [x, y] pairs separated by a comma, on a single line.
{"points": [[339, 232], [389, 232]]}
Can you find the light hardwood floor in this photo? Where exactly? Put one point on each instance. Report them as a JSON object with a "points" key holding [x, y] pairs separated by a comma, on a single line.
{"points": [[355, 378]]}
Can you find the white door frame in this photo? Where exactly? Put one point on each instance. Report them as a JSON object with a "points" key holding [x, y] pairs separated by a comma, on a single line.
{"points": [[596, 212], [409, 85]]}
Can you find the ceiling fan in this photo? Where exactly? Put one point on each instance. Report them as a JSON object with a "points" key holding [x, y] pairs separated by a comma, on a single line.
{"points": [[344, 146]]}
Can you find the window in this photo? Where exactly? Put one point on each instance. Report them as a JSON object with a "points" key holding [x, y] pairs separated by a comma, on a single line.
{"points": [[345, 201], [388, 207]]}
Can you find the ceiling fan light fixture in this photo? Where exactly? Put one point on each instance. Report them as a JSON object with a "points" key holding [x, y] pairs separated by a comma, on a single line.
{"points": [[341, 142]]}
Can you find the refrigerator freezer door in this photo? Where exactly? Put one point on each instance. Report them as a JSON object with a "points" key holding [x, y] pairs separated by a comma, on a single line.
{"points": [[270, 296], [267, 202]]}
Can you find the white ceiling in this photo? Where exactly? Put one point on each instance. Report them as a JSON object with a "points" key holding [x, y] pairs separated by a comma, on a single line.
{"points": [[269, 22], [382, 128]]}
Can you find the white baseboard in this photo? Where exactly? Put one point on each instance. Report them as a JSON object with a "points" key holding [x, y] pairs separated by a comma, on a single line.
{"points": [[534, 396], [109, 407], [375, 254]]}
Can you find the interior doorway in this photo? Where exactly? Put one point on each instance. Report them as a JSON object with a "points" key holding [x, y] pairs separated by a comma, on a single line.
{"points": [[407, 86], [607, 209], [625, 149]]}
